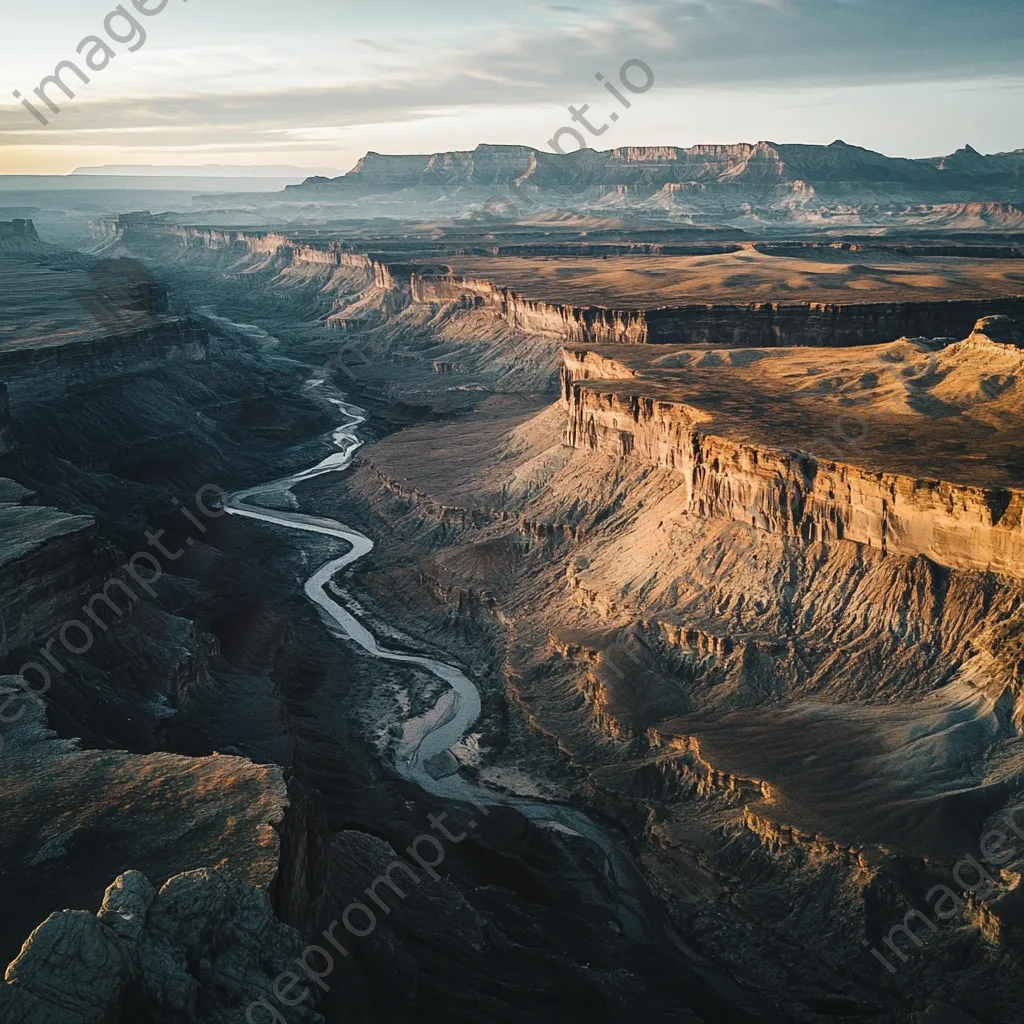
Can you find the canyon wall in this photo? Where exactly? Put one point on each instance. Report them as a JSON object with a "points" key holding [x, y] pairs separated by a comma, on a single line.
{"points": [[574, 324], [51, 563], [767, 324], [109, 355], [270, 243], [758, 325], [955, 525], [772, 324], [6, 436]]}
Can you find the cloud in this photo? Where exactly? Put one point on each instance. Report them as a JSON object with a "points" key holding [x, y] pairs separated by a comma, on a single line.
{"points": [[545, 55]]}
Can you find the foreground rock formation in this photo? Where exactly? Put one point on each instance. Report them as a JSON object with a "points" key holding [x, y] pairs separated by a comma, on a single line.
{"points": [[201, 949]]}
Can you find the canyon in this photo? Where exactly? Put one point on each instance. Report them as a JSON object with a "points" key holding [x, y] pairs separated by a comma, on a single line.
{"points": [[695, 562]]}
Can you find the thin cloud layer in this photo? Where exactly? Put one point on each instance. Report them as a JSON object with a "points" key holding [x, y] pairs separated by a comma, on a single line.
{"points": [[334, 71]]}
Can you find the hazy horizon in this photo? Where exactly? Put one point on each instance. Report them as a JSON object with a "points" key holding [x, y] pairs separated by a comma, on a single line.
{"points": [[218, 170], [243, 85]]}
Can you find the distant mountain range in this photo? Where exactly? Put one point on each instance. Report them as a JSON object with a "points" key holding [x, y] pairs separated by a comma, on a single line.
{"points": [[201, 170], [652, 167]]}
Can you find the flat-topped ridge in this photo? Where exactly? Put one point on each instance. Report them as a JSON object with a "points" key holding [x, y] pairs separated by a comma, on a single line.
{"points": [[911, 447]]}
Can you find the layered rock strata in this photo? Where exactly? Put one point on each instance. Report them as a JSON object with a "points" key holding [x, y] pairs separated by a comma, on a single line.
{"points": [[50, 565], [654, 166], [401, 284], [791, 491], [171, 812]]}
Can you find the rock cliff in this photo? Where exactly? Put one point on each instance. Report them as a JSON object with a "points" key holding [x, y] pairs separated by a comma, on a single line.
{"points": [[6, 437], [391, 285], [819, 324], [50, 564], [18, 235], [789, 490]]}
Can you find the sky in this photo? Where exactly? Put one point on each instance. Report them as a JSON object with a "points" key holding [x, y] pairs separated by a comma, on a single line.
{"points": [[318, 83]]}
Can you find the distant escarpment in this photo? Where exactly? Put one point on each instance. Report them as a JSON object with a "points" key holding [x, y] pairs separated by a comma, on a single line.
{"points": [[756, 324], [658, 166]]}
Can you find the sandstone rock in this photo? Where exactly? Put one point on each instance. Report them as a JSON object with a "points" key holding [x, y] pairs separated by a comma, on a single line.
{"points": [[767, 454], [73, 968], [125, 905], [201, 952], [1000, 330]]}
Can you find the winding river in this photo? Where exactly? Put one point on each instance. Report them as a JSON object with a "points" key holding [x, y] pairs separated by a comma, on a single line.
{"points": [[457, 709]]}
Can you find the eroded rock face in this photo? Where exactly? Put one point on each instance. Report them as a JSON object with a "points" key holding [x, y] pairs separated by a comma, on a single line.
{"points": [[389, 286], [575, 324], [50, 564], [735, 469], [168, 812], [202, 949], [742, 686], [763, 162], [6, 437], [958, 526], [997, 330]]}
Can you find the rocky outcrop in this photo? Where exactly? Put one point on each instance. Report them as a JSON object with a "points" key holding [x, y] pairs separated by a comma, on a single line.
{"points": [[209, 939], [18, 234], [50, 565], [201, 949], [993, 334]]}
